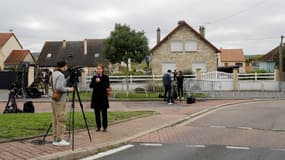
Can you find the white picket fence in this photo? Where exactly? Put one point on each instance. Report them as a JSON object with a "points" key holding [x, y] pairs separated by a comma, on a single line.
{"points": [[211, 81]]}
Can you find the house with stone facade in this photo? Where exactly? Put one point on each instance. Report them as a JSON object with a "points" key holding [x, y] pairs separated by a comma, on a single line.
{"points": [[184, 49]]}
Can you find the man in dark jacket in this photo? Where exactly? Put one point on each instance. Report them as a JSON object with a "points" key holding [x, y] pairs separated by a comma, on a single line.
{"points": [[167, 86]]}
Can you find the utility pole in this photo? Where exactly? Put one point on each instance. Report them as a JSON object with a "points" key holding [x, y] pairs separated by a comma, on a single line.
{"points": [[281, 69]]}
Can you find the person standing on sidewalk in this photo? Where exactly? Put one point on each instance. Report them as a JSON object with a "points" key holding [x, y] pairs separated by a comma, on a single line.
{"points": [[180, 79], [58, 82], [167, 86], [99, 102]]}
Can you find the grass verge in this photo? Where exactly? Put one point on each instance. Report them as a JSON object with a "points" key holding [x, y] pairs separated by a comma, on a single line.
{"points": [[15, 125]]}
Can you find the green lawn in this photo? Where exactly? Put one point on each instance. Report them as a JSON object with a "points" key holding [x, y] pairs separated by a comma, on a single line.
{"points": [[20, 125], [118, 95], [132, 95]]}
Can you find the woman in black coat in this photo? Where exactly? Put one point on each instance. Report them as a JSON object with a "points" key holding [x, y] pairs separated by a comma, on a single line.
{"points": [[101, 86], [180, 79]]}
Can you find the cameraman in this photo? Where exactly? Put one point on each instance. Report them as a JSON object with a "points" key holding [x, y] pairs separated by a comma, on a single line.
{"points": [[58, 82]]}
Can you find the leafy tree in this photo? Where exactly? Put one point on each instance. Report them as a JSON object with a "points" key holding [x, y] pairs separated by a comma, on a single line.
{"points": [[124, 43]]}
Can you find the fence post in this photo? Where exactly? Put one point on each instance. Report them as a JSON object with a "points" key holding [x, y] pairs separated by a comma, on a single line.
{"points": [[276, 74], [255, 75], [235, 79], [153, 88], [199, 74]]}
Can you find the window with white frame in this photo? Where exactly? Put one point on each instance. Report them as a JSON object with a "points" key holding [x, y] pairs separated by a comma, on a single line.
{"points": [[191, 45], [176, 46]]}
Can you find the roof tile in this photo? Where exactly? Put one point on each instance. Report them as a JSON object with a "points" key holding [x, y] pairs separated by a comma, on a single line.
{"points": [[16, 57], [232, 55]]}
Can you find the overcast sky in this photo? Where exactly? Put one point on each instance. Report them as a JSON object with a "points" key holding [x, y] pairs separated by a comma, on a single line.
{"points": [[253, 25]]}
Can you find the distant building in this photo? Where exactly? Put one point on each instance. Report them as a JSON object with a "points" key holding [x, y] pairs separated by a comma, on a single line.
{"points": [[8, 43], [184, 49], [232, 57], [270, 59], [87, 54]]}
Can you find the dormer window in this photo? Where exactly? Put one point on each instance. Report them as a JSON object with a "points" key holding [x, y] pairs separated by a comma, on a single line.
{"points": [[49, 55], [96, 55]]}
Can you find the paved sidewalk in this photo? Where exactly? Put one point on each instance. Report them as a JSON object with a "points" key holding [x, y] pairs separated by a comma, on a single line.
{"points": [[118, 133]]}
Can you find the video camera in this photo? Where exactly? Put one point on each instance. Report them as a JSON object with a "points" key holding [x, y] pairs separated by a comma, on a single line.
{"points": [[72, 75]]}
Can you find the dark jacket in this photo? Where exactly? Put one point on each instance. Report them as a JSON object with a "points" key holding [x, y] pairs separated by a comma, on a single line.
{"points": [[166, 79], [180, 80], [99, 94]]}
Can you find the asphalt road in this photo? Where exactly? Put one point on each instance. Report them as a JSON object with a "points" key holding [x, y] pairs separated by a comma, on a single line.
{"points": [[249, 131], [188, 152]]}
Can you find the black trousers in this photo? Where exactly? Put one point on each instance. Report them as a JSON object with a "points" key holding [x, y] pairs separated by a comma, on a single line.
{"points": [[98, 112], [180, 91], [167, 93]]}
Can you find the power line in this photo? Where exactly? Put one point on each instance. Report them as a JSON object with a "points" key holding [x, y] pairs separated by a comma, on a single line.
{"points": [[237, 13], [250, 39]]}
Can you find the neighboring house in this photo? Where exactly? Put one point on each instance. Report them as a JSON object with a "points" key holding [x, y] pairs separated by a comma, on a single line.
{"points": [[183, 49], [271, 59], [8, 43], [232, 57], [86, 54], [17, 57], [23, 61]]}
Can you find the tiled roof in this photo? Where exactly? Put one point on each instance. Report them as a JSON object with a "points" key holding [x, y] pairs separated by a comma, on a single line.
{"points": [[232, 55], [73, 53], [16, 57], [181, 24], [4, 37]]}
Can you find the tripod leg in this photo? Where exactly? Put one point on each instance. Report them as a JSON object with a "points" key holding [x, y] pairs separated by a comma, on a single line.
{"points": [[72, 119], [7, 104], [84, 117], [49, 127]]}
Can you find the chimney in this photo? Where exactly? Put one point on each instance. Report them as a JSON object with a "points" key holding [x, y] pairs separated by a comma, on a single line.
{"points": [[181, 22], [64, 44], [202, 31], [85, 46], [157, 35]]}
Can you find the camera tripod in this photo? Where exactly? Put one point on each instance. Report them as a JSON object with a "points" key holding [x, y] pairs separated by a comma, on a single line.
{"points": [[72, 116], [12, 98], [72, 128]]}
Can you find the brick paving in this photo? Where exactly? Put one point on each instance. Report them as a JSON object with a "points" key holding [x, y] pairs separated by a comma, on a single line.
{"points": [[118, 133]]}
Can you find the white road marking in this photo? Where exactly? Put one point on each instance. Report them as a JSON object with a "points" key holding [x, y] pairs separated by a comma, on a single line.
{"points": [[247, 128], [112, 151], [236, 147], [151, 144], [195, 146]]}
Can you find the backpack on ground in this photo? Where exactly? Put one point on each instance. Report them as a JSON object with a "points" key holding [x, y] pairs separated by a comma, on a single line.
{"points": [[28, 107], [191, 99]]}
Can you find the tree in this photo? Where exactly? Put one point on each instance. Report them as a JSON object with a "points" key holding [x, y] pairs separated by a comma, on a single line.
{"points": [[125, 43]]}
